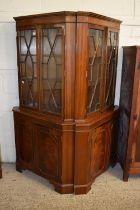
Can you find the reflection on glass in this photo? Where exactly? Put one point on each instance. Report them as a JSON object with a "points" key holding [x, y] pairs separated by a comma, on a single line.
{"points": [[112, 50], [94, 69], [52, 69], [27, 68]]}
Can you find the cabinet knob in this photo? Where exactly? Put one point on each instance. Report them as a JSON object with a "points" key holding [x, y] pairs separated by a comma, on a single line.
{"points": [[22, 82]]}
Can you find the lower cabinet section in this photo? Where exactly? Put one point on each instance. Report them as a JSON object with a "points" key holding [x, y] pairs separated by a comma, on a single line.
{"points": [[70, 156], [46, 150], [38, 148], [93, 150]]}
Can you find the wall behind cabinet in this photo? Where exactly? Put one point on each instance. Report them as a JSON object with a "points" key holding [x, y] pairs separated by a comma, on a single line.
{"points": [[126, 10]]}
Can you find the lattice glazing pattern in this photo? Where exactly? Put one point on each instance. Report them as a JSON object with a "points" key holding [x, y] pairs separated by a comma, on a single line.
{"points": [[94, 69], [27, 68], [52, 70], [112, 49]]}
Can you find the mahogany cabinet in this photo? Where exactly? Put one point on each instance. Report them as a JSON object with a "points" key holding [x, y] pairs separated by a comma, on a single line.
{"points": [[129, 122], [66, 122]]}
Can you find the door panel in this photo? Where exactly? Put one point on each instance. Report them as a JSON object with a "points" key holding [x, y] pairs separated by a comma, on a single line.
{"points": [[95, 63], [112, 53], [24, 143], [103, 147], [100, 140], [52, 65], [27, 60], [47, 150]]}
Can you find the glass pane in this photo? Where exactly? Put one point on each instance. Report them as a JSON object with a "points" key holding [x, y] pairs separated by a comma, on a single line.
{"points": [[52, 69], [94, 69], [27, 68], [112, 49]]}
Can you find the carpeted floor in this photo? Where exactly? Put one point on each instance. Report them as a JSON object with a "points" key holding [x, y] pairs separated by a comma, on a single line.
{"points": [[30, 192]]}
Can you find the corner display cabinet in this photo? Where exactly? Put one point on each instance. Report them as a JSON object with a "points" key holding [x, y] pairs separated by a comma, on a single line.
{"points": [[129, 126], [66, 120]]}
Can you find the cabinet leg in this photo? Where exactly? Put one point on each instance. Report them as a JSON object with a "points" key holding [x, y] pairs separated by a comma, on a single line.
{"points": [[18, 168], [125, 176], [113, 163]]}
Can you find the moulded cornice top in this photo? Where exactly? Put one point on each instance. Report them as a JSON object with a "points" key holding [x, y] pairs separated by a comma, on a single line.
{"points": [[68, 13]]}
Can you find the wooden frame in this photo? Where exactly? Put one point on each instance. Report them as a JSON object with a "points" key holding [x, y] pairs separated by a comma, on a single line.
{"points": [[61, 147]]}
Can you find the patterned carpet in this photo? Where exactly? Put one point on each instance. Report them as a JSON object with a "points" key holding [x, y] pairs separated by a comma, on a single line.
{"points": [[30, 192]]}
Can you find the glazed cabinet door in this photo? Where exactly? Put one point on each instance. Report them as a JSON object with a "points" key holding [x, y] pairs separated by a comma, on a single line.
{"points": [[24, 144], [52, 62], [111, 67], [102, 68], [48, 141], [96, 41], [27, 63]]}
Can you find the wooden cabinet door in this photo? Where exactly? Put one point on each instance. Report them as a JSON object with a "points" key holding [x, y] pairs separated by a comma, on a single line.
{"points": [[24, 143], [95, 68], [52, 65], [111, 67], [100, 144], [47, 151]]}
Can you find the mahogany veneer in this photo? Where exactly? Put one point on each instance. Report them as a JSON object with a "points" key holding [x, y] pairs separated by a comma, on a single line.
{"points": [[65, 126]]}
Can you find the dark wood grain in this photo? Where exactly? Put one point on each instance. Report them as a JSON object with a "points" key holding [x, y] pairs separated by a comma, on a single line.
{"points": [[72, 147], [129, 122]]}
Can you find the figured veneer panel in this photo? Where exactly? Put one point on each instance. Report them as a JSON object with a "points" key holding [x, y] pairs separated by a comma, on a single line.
{"points": [[98, 150], [47, 142], [24, 142]]}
